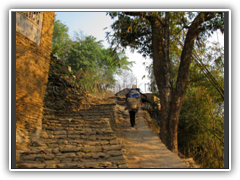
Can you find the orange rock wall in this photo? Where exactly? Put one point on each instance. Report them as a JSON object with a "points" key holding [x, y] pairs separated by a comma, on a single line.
{"points": [[32, 66]]}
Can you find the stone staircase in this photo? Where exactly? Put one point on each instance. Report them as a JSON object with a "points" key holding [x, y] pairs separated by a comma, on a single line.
{"points": [[83, 139]]}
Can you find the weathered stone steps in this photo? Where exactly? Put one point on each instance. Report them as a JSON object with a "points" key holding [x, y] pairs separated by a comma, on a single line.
{"points": [[82, 140], [77, 128], [85, 157]]}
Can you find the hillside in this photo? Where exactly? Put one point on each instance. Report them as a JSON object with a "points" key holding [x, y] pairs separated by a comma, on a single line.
{"points": [[82, 131], [64, 94]]}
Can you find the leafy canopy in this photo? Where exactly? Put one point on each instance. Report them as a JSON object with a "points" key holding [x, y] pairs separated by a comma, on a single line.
{"points": [[60, 38], [92, 64]]}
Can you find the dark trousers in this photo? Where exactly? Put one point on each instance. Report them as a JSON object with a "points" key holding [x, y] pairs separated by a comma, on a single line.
{"points": [[132, 118]]}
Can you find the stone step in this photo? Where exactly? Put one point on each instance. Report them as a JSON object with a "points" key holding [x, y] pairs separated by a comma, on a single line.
{"points": [[86, 156], [84, 112], [79, 143], [76, 140], [89, 164]]}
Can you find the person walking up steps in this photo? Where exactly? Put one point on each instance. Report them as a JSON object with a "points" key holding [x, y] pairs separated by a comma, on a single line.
{"points": [[132, 103], [132, 116]]}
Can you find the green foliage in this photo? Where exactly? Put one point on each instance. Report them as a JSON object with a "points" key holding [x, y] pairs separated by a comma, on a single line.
{"points": [[58, 66], [66, 73], [87, 57], [60, 39], [98, 65], [134, 32], [201, 128], [201, 122], [84, 54]]}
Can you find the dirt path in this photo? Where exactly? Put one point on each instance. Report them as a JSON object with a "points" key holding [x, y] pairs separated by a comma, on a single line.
{"points": [[143, 148]]}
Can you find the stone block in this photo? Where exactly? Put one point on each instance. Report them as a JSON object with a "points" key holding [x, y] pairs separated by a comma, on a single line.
{"points": [[55, 150], [105, 155], [62, 141], [70, 165], [74, 136], [123, 166], [73, 149], [44, 135], [106, 137], [63, 121], [50, 128], [78, 129], [93, 143], [59, 128], [35, 150], [92, 138], [91, 165], [49, 156], [60, 132], [80, 165], [95, 156], [60, 165], [83, 137], [29, 157], [95, 126], [113, 147], [68, 155], [44, 126], [77, 132], [31, 165], [104, 142], [105, 164], [79, 154], [91, 149], [117, 160], [91, 132], [87, 156], [75, 141], [108, 132], [69, 129], [60, 136], [68, 146], [114, 153], [50, 136], [78, 121], [52, 145], [48, 166], [114, 142], [99, 132]]}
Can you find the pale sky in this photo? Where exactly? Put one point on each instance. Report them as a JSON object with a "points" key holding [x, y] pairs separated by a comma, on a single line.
{"points": [[93, 23]]}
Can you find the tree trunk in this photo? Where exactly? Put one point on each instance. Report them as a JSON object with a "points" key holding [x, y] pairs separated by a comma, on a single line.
{"points": [[171, 99], [161, 67]]}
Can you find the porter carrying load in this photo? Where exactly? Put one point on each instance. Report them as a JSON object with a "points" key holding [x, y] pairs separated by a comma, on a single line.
{"points": [[133, 99]]}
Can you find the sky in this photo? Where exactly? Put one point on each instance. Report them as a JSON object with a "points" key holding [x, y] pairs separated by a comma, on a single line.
{"points": [[94, 23]]}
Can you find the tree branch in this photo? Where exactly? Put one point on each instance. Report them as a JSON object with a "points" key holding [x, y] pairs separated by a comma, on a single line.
{"points": [[160, 20], [202, 17], [184, 25], [139, 14]]}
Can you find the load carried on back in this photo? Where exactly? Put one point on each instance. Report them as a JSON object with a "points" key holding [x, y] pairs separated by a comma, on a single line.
{"points": [[133, 99]]}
